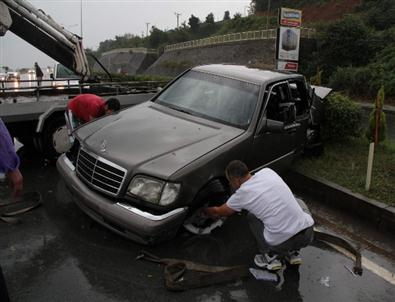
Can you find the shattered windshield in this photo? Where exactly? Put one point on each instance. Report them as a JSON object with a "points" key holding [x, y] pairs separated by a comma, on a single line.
{"points": [[213, 97]]}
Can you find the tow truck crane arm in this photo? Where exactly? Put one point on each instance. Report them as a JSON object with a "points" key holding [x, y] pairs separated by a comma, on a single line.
{"points": [[41, 31]]}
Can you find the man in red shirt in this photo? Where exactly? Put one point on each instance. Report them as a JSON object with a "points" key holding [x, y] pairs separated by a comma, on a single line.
{"points": [[86, 107]]}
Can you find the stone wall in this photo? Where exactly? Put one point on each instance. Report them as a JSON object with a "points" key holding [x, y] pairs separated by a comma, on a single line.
{"points": [[126, 61], [258, 52]]}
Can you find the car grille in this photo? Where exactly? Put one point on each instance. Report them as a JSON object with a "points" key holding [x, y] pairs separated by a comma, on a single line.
{"points": [[100, 173]]}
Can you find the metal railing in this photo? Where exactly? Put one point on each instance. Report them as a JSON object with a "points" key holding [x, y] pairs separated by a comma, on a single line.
{"points": [[72, 86], [131, 50], [308, 33]]}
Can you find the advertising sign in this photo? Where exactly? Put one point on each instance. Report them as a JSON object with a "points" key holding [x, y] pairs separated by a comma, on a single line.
{"points": [[289, 66], [288, 44], [290, 17]]}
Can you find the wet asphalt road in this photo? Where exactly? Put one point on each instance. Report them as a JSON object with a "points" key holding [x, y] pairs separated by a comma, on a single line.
{"points": [[58, 254]]}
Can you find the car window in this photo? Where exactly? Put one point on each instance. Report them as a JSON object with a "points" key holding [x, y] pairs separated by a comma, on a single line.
{"points": [[280, 106], [214, 97], [299, 96], [63, 72]]}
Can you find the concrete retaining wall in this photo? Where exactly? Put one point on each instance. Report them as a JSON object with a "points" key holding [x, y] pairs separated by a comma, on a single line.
{"points": [[378, 213], [126, 61], [258, 52]]}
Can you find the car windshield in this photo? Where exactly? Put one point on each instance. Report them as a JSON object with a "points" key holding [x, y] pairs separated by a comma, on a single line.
{"points": [[64, 73], [213, 97]]}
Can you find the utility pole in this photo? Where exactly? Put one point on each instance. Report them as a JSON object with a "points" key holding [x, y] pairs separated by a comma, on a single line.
{"points": [[178, 16], [147, 24], [267, 16], [81, 16]]}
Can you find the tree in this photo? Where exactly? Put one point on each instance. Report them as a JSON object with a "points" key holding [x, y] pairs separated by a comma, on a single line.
{"points": [[157, 37], [380, 14], [194, 23], [237, 16], [210, 18], [345, 43], [226, 15]]}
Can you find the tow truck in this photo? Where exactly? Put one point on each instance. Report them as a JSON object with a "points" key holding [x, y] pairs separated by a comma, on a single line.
{"points": [[34, 111]]}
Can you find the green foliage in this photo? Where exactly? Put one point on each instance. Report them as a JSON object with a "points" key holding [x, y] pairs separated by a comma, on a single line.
{"points": [[344, 163], [177, 64], [317, 78], [377, 111], [194, 23], [226, 15], [342, 118], [380, 14], [210, 18], [345, 43], [157, 38]]}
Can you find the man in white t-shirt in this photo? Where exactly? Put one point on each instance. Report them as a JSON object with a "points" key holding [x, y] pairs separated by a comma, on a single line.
{"points": [[279, 224]]}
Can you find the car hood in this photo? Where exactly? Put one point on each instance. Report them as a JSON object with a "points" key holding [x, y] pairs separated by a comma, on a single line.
{"points": [[150, 138]]}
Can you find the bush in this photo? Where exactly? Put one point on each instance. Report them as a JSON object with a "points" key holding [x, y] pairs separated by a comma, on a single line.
{"points": [[342, 118]]}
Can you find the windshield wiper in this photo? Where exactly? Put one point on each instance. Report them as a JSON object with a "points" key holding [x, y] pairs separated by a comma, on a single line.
{"points": [[178, 108]]}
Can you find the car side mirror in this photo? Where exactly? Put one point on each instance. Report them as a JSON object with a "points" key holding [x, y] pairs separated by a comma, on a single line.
{"points": [[271, 126], [51, 76]]}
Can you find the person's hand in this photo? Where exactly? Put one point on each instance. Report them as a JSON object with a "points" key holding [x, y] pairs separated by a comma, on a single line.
{"points": [[210, 211], [16, 179]]}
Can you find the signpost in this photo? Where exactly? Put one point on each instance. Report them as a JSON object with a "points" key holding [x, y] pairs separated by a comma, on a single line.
{"points": [[288, 39]]}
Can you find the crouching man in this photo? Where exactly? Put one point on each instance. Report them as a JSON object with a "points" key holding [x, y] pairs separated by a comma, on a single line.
{"points": [[279, 224]]}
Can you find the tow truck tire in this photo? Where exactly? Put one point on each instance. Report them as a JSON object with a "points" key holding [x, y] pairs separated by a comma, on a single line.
{"points": [[51, 127]]}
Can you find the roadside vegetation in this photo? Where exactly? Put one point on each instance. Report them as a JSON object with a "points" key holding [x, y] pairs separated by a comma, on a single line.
{"points": [[345, 163], [346, 146]]}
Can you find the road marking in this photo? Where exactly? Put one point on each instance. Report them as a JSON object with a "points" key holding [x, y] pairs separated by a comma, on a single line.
{"points": [[369, 265]]}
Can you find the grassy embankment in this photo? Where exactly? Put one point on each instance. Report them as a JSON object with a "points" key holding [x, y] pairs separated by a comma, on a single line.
{"points": [[345, 163]]}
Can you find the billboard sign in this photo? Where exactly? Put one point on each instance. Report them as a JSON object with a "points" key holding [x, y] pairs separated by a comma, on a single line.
{"points": [[290, 17], [288, 43]]}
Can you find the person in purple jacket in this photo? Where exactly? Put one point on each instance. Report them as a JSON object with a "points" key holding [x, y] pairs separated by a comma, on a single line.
{"points": [[9, 165], [9, 161]]}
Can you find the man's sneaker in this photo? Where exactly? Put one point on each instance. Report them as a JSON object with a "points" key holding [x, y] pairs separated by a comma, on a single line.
{"points": [[268, 262], [294, 258]]}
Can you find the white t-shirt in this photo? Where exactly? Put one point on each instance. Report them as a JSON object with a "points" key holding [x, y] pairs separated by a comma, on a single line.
{"points": [[269, 198]]}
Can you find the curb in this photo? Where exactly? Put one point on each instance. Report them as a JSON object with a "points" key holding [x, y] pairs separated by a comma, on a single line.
{"points": [[378, 213]]}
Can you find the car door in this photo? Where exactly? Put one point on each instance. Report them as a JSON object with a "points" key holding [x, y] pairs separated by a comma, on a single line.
{"points": [[274, 140]]}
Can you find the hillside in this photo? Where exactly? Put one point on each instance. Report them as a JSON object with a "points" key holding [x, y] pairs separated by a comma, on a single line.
{"points": [[314, 11]]}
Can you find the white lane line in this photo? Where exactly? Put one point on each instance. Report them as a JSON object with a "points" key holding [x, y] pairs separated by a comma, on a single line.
{"points": [[369, 265]]}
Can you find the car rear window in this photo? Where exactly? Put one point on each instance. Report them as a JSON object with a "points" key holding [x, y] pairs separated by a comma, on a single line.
{"points": [[221, 99]]}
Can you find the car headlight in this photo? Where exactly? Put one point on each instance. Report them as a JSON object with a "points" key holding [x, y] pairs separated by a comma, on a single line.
{"points": [[154, 191]]}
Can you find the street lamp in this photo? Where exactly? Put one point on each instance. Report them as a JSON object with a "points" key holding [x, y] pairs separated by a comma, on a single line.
{"points": [[267, 16], [178, 16], [81, 16], [147, 24]]}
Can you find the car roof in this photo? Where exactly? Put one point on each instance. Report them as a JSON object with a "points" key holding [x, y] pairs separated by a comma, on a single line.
{"points": [[245, 73]]}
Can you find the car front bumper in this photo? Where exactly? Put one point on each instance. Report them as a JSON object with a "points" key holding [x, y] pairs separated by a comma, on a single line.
{"points": [[120, 217]]}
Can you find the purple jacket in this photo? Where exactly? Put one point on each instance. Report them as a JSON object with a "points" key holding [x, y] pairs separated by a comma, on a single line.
{"points": [[9, 160]]}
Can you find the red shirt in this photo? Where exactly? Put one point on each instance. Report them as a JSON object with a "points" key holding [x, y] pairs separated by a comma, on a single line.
{"points": [[86, 107]]}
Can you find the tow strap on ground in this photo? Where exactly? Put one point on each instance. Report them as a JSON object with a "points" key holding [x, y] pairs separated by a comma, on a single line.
{"points": [[341, 242], [25, 203], [181, 274]]}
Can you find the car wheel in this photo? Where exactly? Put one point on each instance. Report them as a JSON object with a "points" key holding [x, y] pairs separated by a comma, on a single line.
{"points": [[51, 130]]}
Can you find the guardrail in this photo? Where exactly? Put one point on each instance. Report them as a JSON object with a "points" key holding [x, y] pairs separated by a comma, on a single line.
{"points": [[48, 87], [308, 33]]}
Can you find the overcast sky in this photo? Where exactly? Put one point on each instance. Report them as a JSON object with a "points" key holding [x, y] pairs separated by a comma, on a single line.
{"points": [[104, 19]]}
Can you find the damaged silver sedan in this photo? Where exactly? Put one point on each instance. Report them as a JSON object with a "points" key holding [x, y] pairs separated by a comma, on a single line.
{"points": [[142, 171]]}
